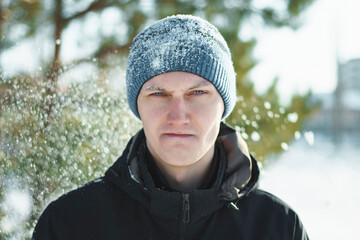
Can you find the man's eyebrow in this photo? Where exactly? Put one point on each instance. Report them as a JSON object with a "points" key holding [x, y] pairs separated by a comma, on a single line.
{"points": [[200, 84], [156, 87]]}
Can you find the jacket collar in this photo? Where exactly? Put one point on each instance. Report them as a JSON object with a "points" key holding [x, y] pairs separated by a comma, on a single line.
{"points": [[240, 176], [242, 172]]}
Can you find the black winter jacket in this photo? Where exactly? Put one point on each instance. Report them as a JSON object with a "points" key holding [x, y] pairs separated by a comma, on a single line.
{"points": [[125, 204]]}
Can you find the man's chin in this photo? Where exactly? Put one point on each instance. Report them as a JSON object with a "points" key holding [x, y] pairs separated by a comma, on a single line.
{"points": [[176, 140], [179, 151], [178, 145]]}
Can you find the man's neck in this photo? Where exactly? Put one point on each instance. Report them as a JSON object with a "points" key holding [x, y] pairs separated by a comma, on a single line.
{"points": [[187, 178]]}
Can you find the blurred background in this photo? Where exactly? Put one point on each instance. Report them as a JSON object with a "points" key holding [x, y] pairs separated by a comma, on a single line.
{"points": [[64, 118]]}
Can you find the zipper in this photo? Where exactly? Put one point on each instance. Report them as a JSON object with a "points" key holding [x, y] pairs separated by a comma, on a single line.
{"points": [[185, 214], [186, 207]]}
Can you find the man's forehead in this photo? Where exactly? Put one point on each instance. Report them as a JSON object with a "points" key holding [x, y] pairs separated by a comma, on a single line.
{"points": [[158, 84]]}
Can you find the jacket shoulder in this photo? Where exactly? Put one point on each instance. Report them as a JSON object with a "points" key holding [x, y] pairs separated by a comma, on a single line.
{"points": [[266, 211], [266, 203], [91, 196], [267, 197], [79, 209], [89, 191]]}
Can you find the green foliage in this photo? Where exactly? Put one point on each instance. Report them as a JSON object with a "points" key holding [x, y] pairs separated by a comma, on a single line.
{"points": [[267, 126], [296, 7], [86, 131]]}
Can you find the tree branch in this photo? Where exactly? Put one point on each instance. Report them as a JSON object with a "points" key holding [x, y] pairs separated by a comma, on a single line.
{"points": [[95, 6], [119, 50]]}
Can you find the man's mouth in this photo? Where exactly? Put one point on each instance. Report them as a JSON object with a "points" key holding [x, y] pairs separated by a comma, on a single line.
{"points": [[178, 135]]}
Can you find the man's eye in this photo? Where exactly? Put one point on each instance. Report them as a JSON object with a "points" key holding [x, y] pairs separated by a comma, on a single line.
{"points": [[157, 94], [198, 92]]}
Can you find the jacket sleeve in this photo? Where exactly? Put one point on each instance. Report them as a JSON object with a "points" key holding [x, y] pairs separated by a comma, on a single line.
{"points": [[51, 225], [299, 232]]}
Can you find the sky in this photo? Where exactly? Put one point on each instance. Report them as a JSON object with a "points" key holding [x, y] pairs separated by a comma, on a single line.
{"points": [[307, 58], [302, 59]]}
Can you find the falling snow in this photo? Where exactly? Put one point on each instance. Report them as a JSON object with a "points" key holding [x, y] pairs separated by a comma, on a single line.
{"points": [[309, 137], [255, 136], [284, 146], [267, 105], [292, 117], [54, 143]]}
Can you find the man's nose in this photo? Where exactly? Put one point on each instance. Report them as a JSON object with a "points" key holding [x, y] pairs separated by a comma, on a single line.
{"points": [[178, 112]]}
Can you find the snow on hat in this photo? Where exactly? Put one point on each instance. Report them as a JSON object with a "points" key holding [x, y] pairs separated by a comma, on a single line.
{"points": [[181, 43]]}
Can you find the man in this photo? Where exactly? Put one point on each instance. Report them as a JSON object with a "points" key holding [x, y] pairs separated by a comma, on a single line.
{"points": [[185, 175]]}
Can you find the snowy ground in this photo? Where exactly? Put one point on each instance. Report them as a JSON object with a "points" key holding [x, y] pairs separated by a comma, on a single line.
{"points": [[320, 183]]}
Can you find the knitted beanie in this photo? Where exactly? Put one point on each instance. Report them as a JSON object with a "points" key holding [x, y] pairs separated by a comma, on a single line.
{"points": [[181, 43]]}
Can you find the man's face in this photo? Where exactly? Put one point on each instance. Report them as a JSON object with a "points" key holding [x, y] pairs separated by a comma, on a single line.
{"points": [[181, 114]]}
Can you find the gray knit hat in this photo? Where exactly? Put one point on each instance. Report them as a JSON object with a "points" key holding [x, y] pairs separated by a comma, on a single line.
{"points": [[181, 43]]}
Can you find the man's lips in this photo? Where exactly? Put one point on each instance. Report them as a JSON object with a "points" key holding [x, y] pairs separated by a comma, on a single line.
{"points": [[178, 135]]}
